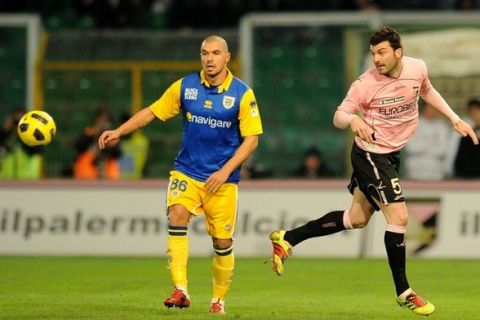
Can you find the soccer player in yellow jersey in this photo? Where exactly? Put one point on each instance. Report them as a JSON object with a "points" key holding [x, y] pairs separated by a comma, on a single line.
{"points": [[221, 128]]}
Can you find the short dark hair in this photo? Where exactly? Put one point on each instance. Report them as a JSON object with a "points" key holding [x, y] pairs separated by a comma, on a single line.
{"points": [[312, 151], [386, 34], [473, 103]]}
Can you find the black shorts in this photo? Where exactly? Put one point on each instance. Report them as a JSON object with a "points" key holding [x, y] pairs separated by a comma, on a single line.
{"points": [[376, 175]]}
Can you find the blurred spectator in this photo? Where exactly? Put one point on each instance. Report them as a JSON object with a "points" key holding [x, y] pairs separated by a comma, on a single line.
{"points": [[466, 4], [467, 159], [313, 166], [91, 163], [453, 144], [252, 169], [427, 150], [17, 160], [135, 148]]}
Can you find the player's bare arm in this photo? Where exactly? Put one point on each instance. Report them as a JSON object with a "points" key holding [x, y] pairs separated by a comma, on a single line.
{"points": [[249, 144], [137, 121], [464, 129], [437, 101]]}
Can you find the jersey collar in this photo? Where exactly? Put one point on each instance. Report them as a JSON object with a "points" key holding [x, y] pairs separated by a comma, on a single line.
{"points": [[221, 88]]}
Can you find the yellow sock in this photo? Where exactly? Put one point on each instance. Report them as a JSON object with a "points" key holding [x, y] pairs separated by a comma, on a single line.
{"points": [[222, 265], [177, 254]]}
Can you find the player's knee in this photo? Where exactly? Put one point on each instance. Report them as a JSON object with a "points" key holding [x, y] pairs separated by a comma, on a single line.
{"points": [[400, 220], [403, 219], [359, 224], [178, 217], [359, 219], [222, 243]]}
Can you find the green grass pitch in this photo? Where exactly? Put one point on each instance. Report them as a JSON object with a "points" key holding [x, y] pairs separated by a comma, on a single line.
{"points": [[134, 288]]}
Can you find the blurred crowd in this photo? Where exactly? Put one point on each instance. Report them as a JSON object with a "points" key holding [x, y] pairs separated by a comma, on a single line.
{"points": [[123, 160], [174, 14], [435, 153]]}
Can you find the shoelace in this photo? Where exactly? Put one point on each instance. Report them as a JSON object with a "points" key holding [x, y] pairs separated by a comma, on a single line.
{"points": [[178, 294], [278, 250], [415, 301]]}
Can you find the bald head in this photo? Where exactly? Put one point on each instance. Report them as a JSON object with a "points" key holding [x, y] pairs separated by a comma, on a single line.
{"points": [[213, 38], [214, 56]]}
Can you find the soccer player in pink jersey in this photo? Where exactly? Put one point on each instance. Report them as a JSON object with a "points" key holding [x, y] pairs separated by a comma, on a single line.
{"points": [[381, 109]]}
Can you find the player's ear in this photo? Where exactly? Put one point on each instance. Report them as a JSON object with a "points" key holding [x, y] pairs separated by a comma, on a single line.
{"points": [[227, 59], [399, 52]]}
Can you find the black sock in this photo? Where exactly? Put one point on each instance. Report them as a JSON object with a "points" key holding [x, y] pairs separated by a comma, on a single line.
{"points": [[330, 223], [395, 246]]}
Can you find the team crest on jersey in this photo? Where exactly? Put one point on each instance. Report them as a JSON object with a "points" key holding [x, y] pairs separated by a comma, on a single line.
{"points": [[415, 93], [228, 102]]}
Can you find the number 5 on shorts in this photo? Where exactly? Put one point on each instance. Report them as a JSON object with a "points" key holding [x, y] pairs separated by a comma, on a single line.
{"points": [[396, 186]]}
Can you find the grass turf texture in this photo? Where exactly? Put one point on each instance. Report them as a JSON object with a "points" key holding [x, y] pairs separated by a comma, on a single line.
{"points": [[134, 288]]}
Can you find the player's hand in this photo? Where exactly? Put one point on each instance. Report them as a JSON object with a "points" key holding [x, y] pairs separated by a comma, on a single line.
{"points": [[108, 138], [215, 181], [464, 129], [361, 129]]}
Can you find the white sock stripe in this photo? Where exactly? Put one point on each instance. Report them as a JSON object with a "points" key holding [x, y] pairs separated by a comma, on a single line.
{"points": [[405, 294], [346, 220], [396, 229]]}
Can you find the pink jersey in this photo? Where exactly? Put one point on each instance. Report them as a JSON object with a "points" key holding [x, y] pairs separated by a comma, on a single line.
{"points": [[390, 106]]}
